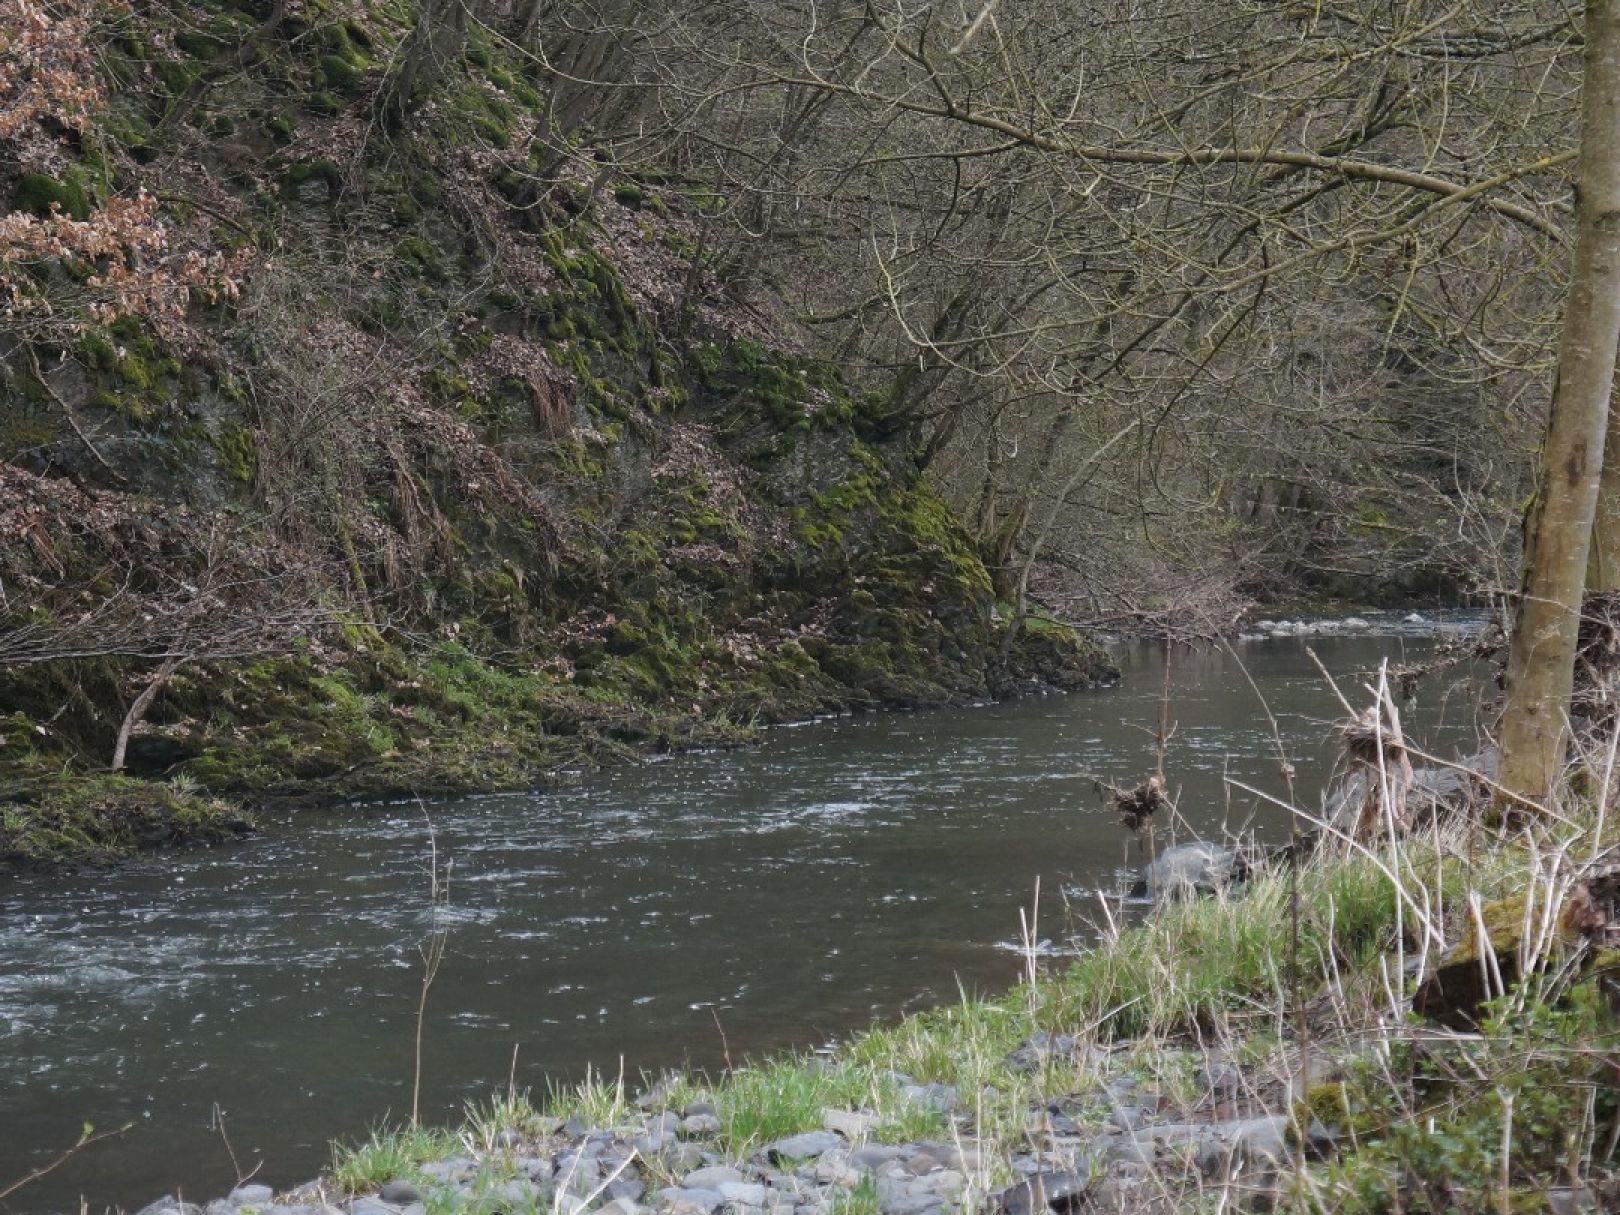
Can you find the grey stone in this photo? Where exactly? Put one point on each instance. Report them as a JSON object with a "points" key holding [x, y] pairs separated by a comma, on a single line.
{"points": [[166, 1203], [1128, 1117], [711, 1178], [663, 1124], [1218, 1078], [868, 1158], [682, 1200], [742, 1193], [834, 1168], [699, 1109], [621, 1206], [1201, 867], [220, 1206], [399, 1192], [849, 1123], [679, 1157], [535, 1168], [938, 1096], [371, 1206], [251, 1195], [1044, 1191], [946, 1183], [913, 1204], [576, 1128], [699, 1126], [630, 1189], [650, 1145], [801, 1147], [457, 1168]]}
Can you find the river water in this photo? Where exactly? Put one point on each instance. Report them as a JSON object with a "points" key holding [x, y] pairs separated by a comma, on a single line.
{"points": [[844, 872]]}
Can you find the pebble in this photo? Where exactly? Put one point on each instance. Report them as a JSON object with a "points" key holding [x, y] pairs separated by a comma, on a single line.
{"points": [[849, 1123], [801, 1147], [711, 1178]]}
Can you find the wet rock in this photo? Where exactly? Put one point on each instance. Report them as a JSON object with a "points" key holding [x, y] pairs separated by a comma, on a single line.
{"points": [[849, 1123], [167, 1203], [251, 1195], [399, 1192], [1045, 1191], [699, 1126], [801, 1147], [1201, 867]]}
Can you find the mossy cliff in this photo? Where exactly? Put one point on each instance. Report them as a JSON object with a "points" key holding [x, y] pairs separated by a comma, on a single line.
{"points": [[481, 472]]}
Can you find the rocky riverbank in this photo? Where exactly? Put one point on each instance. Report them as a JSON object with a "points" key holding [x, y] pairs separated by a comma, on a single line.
{"points": [[1250, 1050]]}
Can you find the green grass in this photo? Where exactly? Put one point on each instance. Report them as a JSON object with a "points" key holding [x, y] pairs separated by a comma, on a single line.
{"points": [[386, 1155]]}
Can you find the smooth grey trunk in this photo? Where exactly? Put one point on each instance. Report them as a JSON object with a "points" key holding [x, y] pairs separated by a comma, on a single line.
{"points": [[1541, 656]]}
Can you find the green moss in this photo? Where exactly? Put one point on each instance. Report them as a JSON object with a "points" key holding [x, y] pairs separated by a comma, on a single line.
{"points": [[423, 259], [94, 819], [237, 452], [296, 177], [38, 193], [338, 74]]}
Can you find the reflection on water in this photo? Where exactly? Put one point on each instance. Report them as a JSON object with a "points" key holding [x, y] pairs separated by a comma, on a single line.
{"points": [[844, 871]]}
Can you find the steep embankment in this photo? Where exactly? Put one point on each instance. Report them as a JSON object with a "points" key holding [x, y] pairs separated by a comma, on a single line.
{"points": [[461, 463]]}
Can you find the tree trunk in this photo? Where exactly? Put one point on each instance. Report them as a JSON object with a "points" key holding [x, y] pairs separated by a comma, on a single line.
{"points": [[1541, 656], [1603, 562], [137, 710]]}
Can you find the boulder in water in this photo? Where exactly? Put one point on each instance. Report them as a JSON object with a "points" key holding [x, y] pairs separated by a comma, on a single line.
{"points": [[1201, 867]]}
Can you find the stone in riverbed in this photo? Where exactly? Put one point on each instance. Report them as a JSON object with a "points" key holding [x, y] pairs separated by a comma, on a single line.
{"points": [[251, 1196], [398, 1192], [1201, 867], [801, 1147], [370, 1206], [742, 1193]]}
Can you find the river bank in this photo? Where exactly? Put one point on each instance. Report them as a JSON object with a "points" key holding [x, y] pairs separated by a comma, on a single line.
{"points": [[1227, 1053], [794, 890]]}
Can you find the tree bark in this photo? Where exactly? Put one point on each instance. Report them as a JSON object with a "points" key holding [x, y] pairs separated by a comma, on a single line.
{"points": [[1541, 656], [1603, 562], [137, 710]]}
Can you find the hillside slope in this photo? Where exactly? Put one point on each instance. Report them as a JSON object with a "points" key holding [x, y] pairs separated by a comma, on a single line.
{"points": [[450, 466]]}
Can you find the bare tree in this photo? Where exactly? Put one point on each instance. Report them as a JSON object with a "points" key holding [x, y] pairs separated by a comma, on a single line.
{"points": [[1541, 655]]}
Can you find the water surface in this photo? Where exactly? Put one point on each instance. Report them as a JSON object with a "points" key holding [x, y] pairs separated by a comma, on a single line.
{"points": [[844, 872]]}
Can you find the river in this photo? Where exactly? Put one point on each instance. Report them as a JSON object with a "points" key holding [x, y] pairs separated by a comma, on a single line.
{"points": [[669, 914]]}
